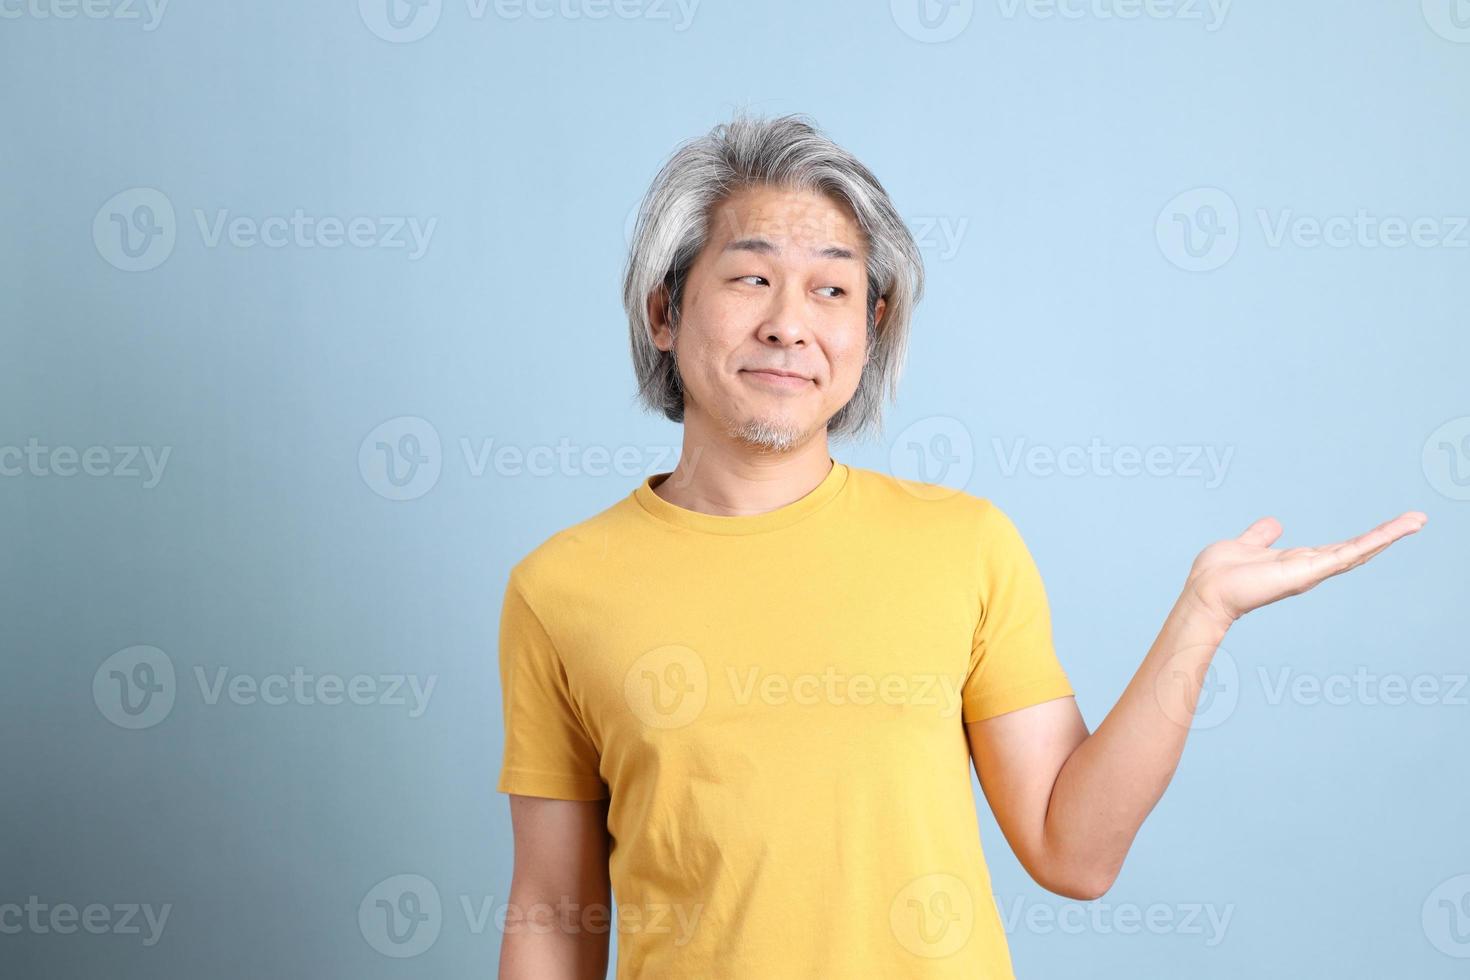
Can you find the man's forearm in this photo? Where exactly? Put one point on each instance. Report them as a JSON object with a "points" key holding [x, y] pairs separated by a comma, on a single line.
{"points": [[1113, 779], [555, 940]]}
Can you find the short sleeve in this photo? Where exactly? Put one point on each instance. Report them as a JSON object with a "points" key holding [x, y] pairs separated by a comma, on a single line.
{"points": [[1012, 661], [548, 752]]}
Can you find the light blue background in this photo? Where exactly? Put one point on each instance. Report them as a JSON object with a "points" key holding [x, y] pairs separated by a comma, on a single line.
{"points": [[1054, 145]]}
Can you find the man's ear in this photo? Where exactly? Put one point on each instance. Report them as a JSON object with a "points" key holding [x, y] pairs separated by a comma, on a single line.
{"points": [[658, 318]]}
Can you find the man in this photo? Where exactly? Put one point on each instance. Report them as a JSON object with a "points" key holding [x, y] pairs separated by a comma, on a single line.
{"points": [[747, 696]]}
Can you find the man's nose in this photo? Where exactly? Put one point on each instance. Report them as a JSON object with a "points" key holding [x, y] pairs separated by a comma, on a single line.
{"points": [[786, 318]]}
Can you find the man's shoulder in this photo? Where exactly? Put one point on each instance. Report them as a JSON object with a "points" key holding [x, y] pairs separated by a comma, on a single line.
{"points": [[939, 519], [577, 548], [922, 501]]}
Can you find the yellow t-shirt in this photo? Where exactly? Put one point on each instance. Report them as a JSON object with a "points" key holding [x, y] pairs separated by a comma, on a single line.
{"points": [[775, 706]]}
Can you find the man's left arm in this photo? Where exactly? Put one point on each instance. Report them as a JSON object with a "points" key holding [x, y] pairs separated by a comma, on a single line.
{"points": [[1071, 802]]}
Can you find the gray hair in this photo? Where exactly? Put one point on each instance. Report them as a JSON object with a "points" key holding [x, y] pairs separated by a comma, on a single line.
{"points": [[788, 152]]}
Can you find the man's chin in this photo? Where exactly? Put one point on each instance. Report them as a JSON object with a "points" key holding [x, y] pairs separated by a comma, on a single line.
{"points": [[770, 435]]}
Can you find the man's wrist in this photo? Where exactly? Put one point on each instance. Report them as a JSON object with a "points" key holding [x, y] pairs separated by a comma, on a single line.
{"points": [[1195, 611]]}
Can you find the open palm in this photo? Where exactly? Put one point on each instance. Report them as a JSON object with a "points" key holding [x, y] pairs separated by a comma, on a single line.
{"points": [[1232, 577]]}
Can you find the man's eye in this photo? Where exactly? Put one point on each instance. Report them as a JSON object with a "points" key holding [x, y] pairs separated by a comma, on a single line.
{"points": [[839, 290]]}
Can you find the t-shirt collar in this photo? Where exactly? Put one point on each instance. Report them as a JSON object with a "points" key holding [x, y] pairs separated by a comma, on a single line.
{"points": [[770, 520]]}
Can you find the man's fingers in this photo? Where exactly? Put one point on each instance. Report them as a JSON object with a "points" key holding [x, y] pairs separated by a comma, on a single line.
{"points": [[1365, 546], [1261, 533]]}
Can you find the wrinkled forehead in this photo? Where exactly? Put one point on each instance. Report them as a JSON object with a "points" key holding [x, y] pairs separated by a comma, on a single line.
{"points": [[779, 222]]}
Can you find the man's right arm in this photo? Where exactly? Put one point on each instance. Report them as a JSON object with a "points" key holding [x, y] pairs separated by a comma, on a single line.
{"points": [[557, 925]]}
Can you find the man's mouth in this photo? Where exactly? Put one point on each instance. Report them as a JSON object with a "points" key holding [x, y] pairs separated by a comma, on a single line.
{"points": [[778, 379]]}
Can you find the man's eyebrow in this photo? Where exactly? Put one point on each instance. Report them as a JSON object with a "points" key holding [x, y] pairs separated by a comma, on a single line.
{"points": [[765, 247]]}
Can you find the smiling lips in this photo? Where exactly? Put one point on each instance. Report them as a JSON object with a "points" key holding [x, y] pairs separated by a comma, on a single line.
{"points": [[778, 378]]}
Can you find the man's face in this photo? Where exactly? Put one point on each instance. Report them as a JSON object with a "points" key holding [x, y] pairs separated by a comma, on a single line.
{"points": [[780, 286]]}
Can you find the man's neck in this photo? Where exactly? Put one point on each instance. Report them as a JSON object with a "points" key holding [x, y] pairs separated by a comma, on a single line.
{"points": [[739, 480]]}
